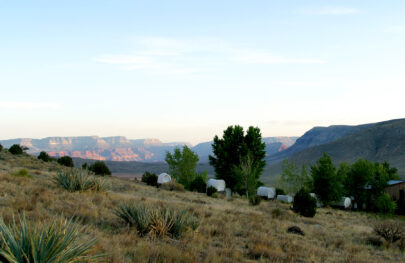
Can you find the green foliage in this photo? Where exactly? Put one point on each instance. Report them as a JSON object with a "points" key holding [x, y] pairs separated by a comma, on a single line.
{"points": [[66, 161], [304, 204], [292, 179], [384, 204], [100, 168], [79, 180], [1, 147], [173, 186], [22, 173], [232, 149], [159, 221], [16, 149], [325, 180], [280, 191], [255, 199], [44, 156], [211, 190], [199, 183], [85, 166], [247, 174], [150, 178], [59, 241], [182, 164]]}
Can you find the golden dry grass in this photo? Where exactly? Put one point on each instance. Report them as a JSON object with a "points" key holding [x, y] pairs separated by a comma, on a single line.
{"points": [[230, 231]]}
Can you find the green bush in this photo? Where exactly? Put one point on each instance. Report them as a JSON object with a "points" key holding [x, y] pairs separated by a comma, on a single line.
{"points": [[60, 241], [172, 186], [44, 156], [255, 199], [66, 161], [79, 180], [304, 204], [385, 205], [280, 191], [1, 147], [150, 178], [198, 184], [211, 190], [16, 149], [100, 168], [22, 173], [159, 221]]}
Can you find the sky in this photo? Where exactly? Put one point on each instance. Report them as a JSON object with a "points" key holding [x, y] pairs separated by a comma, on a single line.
{"points": [[186, 70]]}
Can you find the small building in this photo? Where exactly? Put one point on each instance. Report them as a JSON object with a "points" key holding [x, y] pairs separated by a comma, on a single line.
{"points": [[217, 184], [164, 178], [396, 190]]}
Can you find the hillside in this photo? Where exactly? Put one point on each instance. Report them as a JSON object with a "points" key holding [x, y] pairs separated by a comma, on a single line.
{"points": [[230, 229], [379, 142], [120, 148], [316, 136]]}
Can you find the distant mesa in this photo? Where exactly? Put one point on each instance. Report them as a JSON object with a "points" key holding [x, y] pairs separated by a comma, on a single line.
{"points": [[119, 148]]}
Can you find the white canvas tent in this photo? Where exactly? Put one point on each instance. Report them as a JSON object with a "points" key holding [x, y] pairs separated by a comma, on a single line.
{"points": [[164, 178], [267, 192], [217, 184], [285, 198], [345, 202]]}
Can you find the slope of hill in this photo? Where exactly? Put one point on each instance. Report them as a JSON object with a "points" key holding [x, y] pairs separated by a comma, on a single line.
{"points": [[316, 136], [229, 230], [379, 142]]}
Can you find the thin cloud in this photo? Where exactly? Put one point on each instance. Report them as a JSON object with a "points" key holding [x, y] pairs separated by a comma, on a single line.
{"points": [[331, 10], [193, 55], [19, 105]]}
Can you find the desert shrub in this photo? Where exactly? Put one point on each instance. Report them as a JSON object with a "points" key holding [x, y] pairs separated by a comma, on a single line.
{"points": [[60, 241], [150, 178], [1, 147], [16, 149], [173, 186], [211, 190], [391, 231], [66, 161], [304, 204], [280, 191], [198, 184], [255, 199], [276, 213], [159, 221], [21, 173], [100, 168], [385, 205], [44, 157], [79, 180]]}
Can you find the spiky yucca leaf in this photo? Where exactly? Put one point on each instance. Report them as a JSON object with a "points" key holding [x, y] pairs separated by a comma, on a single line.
{"points": [[60, 241], [79, 180], [135, 215]]}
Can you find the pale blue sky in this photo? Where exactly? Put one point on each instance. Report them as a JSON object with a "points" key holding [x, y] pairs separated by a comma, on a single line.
{"points": [[185, 70]]}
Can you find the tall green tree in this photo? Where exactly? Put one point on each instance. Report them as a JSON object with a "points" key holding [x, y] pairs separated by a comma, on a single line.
{"points": [[231, 149], [357, 181], [292, 179], [182, 164], [246, 173], [327, 185]]}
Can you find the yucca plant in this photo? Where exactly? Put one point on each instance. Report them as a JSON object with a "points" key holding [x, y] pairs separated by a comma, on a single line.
{"points": [[60, 241], [135, 215], [79, 180], [160, 221]]}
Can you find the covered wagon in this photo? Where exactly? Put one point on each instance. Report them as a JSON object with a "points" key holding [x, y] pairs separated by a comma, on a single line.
{"points": [[285, 198], [217, 184], [163, 178], [266, 192]]}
